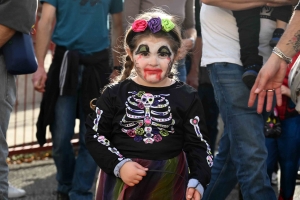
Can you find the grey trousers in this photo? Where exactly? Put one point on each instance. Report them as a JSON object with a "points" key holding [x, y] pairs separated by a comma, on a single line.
{"points": [[7, 101]]}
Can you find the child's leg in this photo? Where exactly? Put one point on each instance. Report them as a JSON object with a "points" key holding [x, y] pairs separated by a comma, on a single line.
{"points": [[282, 15], [248, 23]]}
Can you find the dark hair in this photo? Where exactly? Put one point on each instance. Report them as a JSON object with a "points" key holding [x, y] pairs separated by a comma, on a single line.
{"points": [[131, 38]]}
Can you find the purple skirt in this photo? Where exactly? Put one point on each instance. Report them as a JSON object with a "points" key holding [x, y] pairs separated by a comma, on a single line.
{"points": [[167, 181]]}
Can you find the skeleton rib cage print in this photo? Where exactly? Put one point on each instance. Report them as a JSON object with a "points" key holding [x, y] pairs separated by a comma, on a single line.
{"points": [[148, 117]]}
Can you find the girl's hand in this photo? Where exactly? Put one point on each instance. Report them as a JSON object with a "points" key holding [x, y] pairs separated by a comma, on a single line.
{"points": [[192, 194], [132, 173]]}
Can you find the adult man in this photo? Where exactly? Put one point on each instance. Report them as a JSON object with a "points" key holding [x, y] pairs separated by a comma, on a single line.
{"points": [[15, 16], [242, 152], [80, 68]]}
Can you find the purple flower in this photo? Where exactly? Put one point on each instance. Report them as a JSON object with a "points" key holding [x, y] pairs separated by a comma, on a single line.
{"points": [[138, 138], [154, 24], [155, 103], [155, 130]]}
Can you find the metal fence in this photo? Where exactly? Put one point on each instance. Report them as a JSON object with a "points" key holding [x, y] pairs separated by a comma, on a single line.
{"points": [[21, 133]]}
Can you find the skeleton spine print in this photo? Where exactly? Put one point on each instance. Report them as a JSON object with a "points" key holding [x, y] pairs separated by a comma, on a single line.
{"points": [[148, 117]]}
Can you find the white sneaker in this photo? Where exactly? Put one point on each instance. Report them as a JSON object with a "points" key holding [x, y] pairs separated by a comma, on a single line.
{"points": [[14, 192]]}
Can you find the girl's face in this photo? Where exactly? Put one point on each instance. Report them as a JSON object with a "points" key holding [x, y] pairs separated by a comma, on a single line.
{"points": [[153, 59]]}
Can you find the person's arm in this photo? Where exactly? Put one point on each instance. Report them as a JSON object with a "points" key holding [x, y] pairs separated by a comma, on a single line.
{"points": [[189, 33], [5, 34], [193, 76], [196, 146], [131, 9], [273, 71], [246, 4], [117, 31], [43, 38], [98, 138]]}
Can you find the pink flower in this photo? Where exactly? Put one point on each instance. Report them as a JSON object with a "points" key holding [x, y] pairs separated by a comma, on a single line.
{"points": [[157, 138], [131, 133], [141, 105], [139, 25]]}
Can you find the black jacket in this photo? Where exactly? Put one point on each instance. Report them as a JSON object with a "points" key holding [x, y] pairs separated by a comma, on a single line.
{"points": [[95, 77]]}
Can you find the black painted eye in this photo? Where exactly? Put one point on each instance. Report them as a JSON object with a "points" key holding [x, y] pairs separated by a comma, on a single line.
{"points": [[150, 99], [144, 53], [144, 99], [163, 54]]}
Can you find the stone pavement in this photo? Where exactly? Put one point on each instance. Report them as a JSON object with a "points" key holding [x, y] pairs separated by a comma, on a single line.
{"points": [[38, 179]]}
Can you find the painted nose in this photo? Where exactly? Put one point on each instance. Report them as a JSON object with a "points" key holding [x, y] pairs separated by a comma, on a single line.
{"points": [[153, 61]]}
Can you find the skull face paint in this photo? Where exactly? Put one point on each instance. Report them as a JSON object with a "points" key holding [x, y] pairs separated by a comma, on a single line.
{"points": [[153, 60]]}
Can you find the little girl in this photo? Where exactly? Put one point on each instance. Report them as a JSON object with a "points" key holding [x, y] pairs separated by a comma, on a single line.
{"points": [[145, 121]]}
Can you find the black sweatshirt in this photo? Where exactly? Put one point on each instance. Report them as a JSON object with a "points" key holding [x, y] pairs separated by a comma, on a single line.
{"points": [[154, 123]]}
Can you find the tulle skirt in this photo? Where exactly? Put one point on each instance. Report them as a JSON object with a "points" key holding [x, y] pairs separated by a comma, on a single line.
{"points": [[167, 181]]}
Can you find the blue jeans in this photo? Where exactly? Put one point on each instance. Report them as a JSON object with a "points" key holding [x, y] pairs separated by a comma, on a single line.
{"points": [[7, 101], [181, 70], [74, 176], [286, 150], [242, 151]]}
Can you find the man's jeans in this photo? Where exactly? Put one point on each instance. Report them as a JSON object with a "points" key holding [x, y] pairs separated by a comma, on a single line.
{"points": [[242, 151], [286, 150], [7, 101], [75, 176]]}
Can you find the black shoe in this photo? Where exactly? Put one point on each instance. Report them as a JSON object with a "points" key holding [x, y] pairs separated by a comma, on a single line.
{"points": [[249, 78], [276, 36], [62, 196]]}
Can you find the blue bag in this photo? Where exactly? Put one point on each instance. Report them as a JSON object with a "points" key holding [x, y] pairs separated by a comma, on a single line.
{"points": [[19, 54]]}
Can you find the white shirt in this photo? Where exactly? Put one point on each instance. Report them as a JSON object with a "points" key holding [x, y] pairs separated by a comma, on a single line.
{"points": [[220, 35]]}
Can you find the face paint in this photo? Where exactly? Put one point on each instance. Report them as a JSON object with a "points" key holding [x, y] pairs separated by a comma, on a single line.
{"points": [[142, 49], [156, 72], [164, 52], [153, 60]]}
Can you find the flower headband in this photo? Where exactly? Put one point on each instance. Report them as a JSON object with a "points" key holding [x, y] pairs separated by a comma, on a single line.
{"points": [[155, 24]]}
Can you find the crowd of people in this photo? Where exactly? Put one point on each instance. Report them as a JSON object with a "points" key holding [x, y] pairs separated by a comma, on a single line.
{"points": [[148, 90]]}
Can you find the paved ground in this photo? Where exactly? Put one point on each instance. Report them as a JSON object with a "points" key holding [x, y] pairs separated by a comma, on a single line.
{"points": [[38, 179]]}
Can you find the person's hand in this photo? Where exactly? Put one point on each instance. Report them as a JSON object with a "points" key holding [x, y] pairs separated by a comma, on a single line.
{"points": [[268, 81], [192, 79], [132, 173], [285, 91], [39, 79], [186, 46], [192, 194], [181, 53]]}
